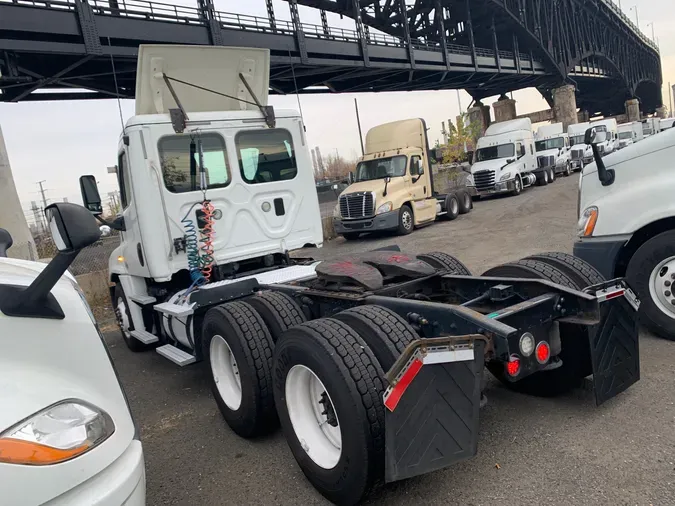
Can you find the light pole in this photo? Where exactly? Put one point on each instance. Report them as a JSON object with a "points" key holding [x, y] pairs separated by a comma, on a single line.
{"points": [[653, 34], [637, 19]]}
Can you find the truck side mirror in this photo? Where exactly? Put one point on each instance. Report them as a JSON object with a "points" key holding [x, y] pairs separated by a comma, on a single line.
{"points": [[350, 177], [522, 150], [594, 136], [71, 226], [90, 195]]}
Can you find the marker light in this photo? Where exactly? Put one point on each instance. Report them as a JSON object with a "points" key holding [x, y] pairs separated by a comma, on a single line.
{"points": [[543, 352], [513, 366], [526, 344]]}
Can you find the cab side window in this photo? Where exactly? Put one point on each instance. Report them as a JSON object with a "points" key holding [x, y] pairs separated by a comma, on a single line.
{"points": [[123, 180], [416, 167]]}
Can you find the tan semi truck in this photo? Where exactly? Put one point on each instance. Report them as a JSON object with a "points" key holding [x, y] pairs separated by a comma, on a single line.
{"points": [[392, 188]]}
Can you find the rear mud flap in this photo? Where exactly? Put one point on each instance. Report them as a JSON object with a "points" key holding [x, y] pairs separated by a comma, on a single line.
{"points": [[434, 421], [615, 350]]}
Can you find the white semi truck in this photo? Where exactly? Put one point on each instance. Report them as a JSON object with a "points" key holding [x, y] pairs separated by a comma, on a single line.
{"points": [[627, 223], [339, 353], [581, 154], [505, 160], [629, 133], [67, 436], [651, 126], [553, 149], [610, 144]]}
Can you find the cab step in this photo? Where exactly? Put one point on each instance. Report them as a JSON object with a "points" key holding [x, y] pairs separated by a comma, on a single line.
{"points": [[143, 300], [144, 336], [176, 355], [175, 310]]}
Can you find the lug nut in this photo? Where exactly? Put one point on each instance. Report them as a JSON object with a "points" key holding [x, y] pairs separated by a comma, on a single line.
{"points": [[673, 302], [667, 283], [667, 293]]}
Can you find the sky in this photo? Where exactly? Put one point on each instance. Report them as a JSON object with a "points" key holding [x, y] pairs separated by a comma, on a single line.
{"points": [[56, 142]]}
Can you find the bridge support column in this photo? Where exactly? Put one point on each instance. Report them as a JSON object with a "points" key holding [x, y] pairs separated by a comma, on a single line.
{"points": [[583, 117], [565, 105], [662, 112], [633, 110], [505, 109], [480, 114]]}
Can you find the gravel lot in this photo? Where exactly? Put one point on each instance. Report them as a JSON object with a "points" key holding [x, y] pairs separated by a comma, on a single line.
{"points": [[531, 451]]}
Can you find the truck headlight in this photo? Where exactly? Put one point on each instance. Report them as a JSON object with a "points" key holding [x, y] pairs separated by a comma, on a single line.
{"points": [[505, 177], [336, 211], [587, 221], [56, 434], [384, 208]]}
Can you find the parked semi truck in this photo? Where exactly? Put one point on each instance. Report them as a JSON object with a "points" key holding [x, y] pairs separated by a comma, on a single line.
{"points": [[627, 223], [505, 160], [67, 436], [340, 353], [629, 133], [393, 187], [610, 144], [581, 154], [553, 149]]}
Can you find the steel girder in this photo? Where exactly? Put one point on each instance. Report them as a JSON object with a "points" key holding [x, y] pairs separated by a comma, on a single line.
{"points": [[567, 35]]}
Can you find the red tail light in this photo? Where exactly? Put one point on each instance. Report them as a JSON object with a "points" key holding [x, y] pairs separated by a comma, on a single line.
{"points": [[513, 366], [543, 352]]}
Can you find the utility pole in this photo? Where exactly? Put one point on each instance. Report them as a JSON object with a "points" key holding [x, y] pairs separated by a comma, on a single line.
{"points": [[358, 122], [42, 191], [653, 34], [637, 18]]}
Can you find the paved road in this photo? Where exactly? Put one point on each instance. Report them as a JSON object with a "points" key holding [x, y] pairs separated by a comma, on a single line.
{"points": [[531, 451]]}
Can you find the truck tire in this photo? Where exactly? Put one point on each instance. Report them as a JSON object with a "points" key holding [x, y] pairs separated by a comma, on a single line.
{"points": [[406, 220], [465, 202], [443, 261], [384, 331], [542, 178], [124, 322], [568, 169], [551, 177], [582, 273], [651, 273], [351, 236], [237, 350], [279, 311], [452, 206], [518, 186], [324, 362], [575, 354]]}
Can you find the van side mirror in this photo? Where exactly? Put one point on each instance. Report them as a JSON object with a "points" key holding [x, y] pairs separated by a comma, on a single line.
{"points": [[595, 136], [90, 195]]}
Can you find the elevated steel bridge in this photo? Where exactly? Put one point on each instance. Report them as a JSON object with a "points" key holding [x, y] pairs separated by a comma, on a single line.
{"points": [[67, 49]]}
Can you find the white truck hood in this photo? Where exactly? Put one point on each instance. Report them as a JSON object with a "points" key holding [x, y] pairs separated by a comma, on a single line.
{"points": [[44, 361]]}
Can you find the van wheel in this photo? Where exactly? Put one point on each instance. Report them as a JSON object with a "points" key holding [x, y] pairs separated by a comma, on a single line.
{"points": [[237, 350], [328, 391], [406, 222], [124, 321], [651, 273], [518, 186], [452, 206]]}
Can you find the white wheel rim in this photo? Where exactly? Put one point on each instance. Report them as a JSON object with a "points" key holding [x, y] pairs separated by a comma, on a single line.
{"points": [[454, 206], [321, 440], [122, 317], [407, 220], [467, 201], [225, 372], [661, 287]]}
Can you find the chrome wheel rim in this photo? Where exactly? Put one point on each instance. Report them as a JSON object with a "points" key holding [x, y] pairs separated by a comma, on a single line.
{"points": [[313, 416], [406, 219], [467, 201], [225, 372], [122, 317], [454, 206], [661, 287]]}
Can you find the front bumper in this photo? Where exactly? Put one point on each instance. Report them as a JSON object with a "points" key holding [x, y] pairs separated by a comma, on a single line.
{"points": [[384, 221], [498, 188], [601, 254], [121, 483], [577, 164]]}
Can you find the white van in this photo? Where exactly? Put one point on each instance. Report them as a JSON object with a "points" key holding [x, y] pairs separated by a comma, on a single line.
{"points": [[553, 148]]}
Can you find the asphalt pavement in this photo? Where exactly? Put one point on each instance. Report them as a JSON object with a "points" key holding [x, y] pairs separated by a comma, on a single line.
{"points": [[531, 451]]}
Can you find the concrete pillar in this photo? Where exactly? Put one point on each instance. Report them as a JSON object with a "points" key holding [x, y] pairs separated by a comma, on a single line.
{"points": [[12, 218], [583, 117], [633, 110], [480, 114], [662, 112], [505, 109], [565, 105]]}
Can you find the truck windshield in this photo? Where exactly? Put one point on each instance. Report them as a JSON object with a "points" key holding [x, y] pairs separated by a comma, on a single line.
{"points": [[495, 152], [625, 135], [558, 142], [379, 168], [578, 139]]}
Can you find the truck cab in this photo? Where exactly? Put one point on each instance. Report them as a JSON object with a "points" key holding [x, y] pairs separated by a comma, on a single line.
{"points": [[650, 126], [392, 187], [553, 148], [581, 154], [627, 223], [505, 161], [610, 144], [629, 133]]}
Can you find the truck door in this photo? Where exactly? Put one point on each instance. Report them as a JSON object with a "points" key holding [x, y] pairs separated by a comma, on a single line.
{"points": [[132, 249], [424, 207]]}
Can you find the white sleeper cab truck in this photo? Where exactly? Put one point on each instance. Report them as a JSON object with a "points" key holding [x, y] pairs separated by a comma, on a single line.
{"points": [[610, 144], [553, 149], [393, 187], [581, 154], [650, 126], [505, 160], [627, 223], [67, 437], [629, 133]]}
